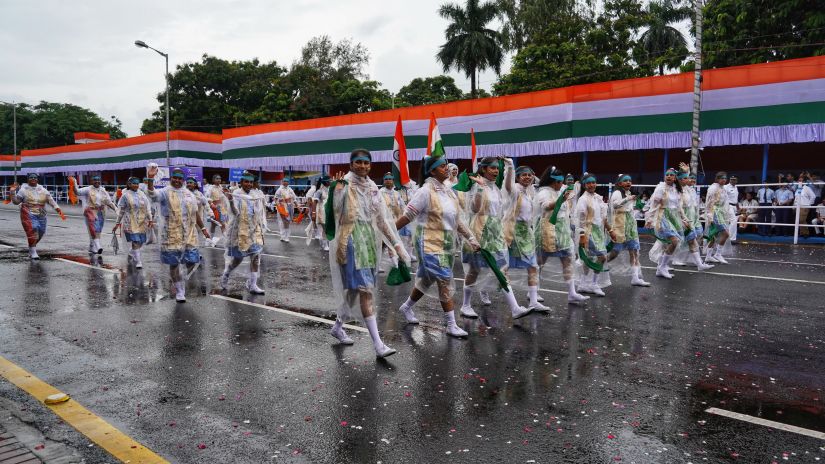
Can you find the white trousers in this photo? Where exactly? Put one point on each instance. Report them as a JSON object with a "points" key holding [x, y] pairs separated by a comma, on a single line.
{"points": [[820, 223], [733, 226]]}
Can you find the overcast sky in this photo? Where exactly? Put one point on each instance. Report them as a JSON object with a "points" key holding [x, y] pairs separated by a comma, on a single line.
{"points": [[83, 52]]}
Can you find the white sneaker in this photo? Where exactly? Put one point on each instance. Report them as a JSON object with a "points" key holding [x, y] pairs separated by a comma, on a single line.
{"points": [[455, 331], [408, 313], [180, 294], [585, 288], [485, 298], [711, 259], [677, 262], [467, 311], [138, 264], [254, 289], [384, 352], [703, 267], [720, 259], [33, 254], [539, 308], [342, 336], [286, 240], [663, 272], [520, 312], [576, 298], [639, 282], [597, 290]]}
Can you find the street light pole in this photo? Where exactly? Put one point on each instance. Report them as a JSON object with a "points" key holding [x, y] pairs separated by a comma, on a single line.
{"points": [[142, 44]]}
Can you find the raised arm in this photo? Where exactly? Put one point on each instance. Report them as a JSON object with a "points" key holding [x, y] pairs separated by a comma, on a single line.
{"points": [[509, 183]]}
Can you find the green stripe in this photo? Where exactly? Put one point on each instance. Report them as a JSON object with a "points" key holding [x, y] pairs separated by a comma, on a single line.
{"points": [[778, 115], [125, 158]]}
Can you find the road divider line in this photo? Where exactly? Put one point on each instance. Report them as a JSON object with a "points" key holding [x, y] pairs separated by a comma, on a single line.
{"points": [[780, 279], [119, 445], [777, 262], [88, 265], [766, 423], [289, 313]]}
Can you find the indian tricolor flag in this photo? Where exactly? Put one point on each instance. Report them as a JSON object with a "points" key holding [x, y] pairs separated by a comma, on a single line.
{"points": [[400, 169], [435, 147], [473, 149]]}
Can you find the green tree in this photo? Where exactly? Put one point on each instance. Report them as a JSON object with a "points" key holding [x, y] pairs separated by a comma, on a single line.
{"points": [[471, 46], [578, 46], [50, 124], [661, 44], [740, 32], [215, 93], [438, 89], [524, 20]]}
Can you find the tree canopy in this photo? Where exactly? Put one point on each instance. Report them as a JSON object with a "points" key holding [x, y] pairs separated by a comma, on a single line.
{"points": [[438, 89], [50, 124]]}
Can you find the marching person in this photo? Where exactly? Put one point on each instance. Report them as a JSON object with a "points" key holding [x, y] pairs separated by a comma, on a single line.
{"points": [[95, 200], [717, 221], [286, 200], [555, 238], [135, 208], [693, 232], [182, 215], [436, 212], [357, 222], [520, 234], [591, 216], [765, 196], [245, 237], [395, 204], [626, 230], [32, 199], [667, 218], [732, 192], [317, 210], [487, 202], [218, 206]]}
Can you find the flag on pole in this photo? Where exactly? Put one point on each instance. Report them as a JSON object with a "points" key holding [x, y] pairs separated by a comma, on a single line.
{"points": [[435, 147], [400, 168], [473, 149]]}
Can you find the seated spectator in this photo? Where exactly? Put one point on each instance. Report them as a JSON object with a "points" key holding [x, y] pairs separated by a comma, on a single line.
{"points": [[748, 210], [819, 220]]}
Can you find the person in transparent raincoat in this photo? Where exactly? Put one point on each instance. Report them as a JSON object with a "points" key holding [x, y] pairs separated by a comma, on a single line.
{"points": [[245, 234], [286, 201], [32, 199], [218, 211], [319, 202], [668, 221], [622, 204], [95, 200], [435, 213], [453, 179], [520, 236], [556, 240], [717, 219], [486, 205], [357, 222], [135, 217], [395, 204], [592, 220], [689, 251], [182, 215]]}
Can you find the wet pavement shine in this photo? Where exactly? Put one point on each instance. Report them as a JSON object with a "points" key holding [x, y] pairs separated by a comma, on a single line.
{"points": [[624, 378]]}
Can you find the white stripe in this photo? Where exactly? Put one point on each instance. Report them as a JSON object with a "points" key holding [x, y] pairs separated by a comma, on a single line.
{"points": [[289, 313], [6, 246], [88, 265], [541, 289], [766, 423], [151, 147], [777, 262], [746, 276], [781, 93]]}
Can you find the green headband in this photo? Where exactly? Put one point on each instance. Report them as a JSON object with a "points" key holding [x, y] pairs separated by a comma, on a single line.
{"points": [[248, 177], [488, 163], [670, 172], [522, 169], [178, 174], [588, 180], [388, 177]]}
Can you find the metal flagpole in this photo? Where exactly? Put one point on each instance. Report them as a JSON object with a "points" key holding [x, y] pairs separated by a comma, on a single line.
{"points": [[697, 89]]}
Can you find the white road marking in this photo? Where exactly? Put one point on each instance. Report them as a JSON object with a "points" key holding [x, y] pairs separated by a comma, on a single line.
{"points": [[88, 265], [223, 249], [541, 289], [5, 246], [289, 313], [777, 262], [766, 423], [780, 279]]}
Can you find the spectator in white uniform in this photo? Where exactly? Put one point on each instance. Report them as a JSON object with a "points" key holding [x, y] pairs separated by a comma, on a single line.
{"points": [[765, 197], [804, 198], [733, 203]]}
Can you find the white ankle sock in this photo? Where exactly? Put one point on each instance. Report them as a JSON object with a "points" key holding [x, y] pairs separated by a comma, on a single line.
{"points": [[408, 304], [468, 295], [449, 318], [372, 326], [511, 299]]}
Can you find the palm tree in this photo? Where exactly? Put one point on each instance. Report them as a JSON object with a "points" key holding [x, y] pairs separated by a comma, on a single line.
{"points": [[663, 44], [470, 46]]}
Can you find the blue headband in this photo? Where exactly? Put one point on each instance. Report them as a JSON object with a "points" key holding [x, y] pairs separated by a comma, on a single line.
{"points": [[682, 175], [32, 176], [388, 176], [133, 180], [670, 171], [558, 178], [248, 177], [432, 163], [191, 179], [623, 178], [588, 179], [94, 178], [361, 158], [178, 174], [522, 169]]}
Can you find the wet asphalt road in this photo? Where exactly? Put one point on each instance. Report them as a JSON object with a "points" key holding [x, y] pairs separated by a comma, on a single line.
{"points": [[625, 378]]}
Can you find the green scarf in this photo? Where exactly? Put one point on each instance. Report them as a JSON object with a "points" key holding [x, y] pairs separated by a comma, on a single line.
{"points": [[598, 267], [559, 201], [465, 183], [713, 231], [491, 262], [329, 211]]}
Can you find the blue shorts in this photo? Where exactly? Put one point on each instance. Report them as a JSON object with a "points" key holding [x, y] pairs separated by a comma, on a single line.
{"points": [[135, 238], [175, 257], [353, 278], [627, 245], [405, 231], [693, 234], [666, 231], [556, 254], [236, 252], [430, 268], [520, 262], [591, 248], [476, 261]]}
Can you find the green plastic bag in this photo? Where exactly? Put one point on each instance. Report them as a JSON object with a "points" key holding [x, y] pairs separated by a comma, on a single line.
{"points": [[329, 212], [399, 275]]}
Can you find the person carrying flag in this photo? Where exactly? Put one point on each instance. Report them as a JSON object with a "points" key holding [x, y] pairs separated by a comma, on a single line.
{"points": [[436, 212], [135, 208], [245, 237], [95, 199], [182, 215], [32, 199], [554, 235], [357, 222]]}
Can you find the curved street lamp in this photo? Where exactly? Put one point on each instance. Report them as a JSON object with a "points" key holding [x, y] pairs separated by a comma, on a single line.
{"points": [[142, 44]]}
